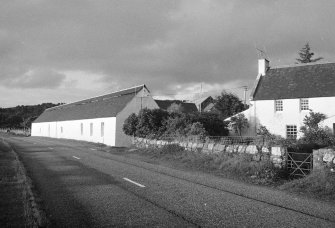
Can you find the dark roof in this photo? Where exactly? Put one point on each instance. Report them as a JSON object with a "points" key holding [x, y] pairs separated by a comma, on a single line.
{"points": [[186, 107], [301, 81], [108, 105]]}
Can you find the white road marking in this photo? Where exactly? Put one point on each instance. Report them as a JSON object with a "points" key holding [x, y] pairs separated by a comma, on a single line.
{"points": [[50, 148], [75, 157], [140, 185], [93, 149]]}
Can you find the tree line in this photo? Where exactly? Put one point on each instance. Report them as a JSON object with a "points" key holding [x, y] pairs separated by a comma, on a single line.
{"points": [[22, 116]]}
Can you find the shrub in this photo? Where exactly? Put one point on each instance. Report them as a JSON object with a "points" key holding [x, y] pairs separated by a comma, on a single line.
{"points": [[212, 123], [314, 133], [157, 123], [147, 122], [196, 129], [176, 125], [130, 124], [239, 122]]}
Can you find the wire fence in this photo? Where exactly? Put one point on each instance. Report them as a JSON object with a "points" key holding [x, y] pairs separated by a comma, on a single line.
{"points": [[226, 140], [16, 131]]}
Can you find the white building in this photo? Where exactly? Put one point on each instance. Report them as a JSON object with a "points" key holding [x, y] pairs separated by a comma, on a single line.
{"points": [[283, 96], [98, 119]]}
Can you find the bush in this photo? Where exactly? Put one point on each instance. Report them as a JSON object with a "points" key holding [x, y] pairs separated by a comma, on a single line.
{"points": [[157, 123], [149, 122], [239, 123], [196, 129], [130, 124], [315, 134], [212, 123]]}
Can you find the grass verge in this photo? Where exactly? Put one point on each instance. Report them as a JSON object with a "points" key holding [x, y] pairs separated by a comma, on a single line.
{"points": [[20, 206], [232, 165], [320, 184]]}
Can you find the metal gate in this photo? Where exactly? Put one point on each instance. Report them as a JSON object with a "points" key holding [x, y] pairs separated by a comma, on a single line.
{"points": [[299, 164]]}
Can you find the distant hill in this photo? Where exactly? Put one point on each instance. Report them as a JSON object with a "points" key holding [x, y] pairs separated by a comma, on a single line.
{"points": [[21, 116]]}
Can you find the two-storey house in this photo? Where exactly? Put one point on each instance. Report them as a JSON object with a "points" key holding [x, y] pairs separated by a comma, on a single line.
{"points": [[283, 96]]}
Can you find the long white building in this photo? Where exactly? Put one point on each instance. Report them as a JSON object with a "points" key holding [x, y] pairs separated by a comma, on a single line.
{"points": [[98, 119]]}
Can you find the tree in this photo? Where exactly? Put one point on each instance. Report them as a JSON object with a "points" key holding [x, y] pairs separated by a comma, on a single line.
{"points": [[306, 55], [314, 133], [239, 122], [130, 124], [228, 104], [148, 123], [212, 123], [312, 120]]}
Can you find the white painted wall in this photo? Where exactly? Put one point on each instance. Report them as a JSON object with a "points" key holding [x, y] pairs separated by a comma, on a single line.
{"points": [[72, 130], [262, 112]]}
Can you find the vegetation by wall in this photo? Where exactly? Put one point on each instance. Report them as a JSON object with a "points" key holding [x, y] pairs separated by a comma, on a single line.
{"points": [[157, 123], [275, 154]]}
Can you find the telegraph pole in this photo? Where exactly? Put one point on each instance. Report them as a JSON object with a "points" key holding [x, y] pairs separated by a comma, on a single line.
{"points": [[245, 88], [200, 96]]}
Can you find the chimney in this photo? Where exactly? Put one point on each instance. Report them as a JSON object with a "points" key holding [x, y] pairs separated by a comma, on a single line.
{"points": [[263, 66]]}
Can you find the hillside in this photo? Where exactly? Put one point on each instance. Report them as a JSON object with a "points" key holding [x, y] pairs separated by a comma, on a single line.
{"points": [[21, 116]]}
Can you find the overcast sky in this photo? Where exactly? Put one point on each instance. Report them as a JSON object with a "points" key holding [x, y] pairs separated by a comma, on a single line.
{"points": [[63, 51]]}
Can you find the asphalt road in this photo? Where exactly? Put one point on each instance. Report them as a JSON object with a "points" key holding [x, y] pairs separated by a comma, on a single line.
{"points": [[81, 186]]}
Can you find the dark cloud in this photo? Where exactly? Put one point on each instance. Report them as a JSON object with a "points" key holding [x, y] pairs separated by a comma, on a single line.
{"points": [[39, 78], [160, 43]]}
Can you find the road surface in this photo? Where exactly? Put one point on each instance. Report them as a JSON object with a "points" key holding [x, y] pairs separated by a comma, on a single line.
{"points": [[80, 186]]}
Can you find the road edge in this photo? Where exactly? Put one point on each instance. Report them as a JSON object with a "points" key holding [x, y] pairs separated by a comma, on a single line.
{"points": [[35, 216]]}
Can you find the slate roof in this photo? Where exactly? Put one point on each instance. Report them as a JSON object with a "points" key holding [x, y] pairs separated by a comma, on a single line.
{"points": [[108, 105], [207, 103], [186, 107], [299, 81]]}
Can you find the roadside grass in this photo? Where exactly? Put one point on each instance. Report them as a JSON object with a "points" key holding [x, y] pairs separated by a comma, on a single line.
{"points": [[235, 166], [18, 205], [320, 184]]}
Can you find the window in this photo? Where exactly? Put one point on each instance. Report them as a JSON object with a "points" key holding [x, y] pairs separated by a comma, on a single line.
{"points": [[91, 129], [278, 105], [304, 104], [82, 128], [291, 131], [102, 129]]}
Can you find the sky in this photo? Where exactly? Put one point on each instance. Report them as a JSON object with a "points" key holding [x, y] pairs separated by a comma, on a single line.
{"points": [[68, 50]]}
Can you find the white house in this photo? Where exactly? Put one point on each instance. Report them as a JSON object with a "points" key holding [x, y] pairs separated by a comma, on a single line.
{"points": [[98, 119], [283, 96]]}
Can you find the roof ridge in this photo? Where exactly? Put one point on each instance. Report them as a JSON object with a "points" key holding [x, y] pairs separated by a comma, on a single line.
{"points": [[55, 107], [300, 65]]}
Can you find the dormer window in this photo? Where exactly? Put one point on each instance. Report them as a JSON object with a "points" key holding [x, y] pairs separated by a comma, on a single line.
{"points": [[304, 104], [278, 105]]}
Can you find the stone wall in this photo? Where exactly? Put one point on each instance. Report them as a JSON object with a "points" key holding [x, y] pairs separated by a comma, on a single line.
{"points": [[276, 154], [323, 158]]}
